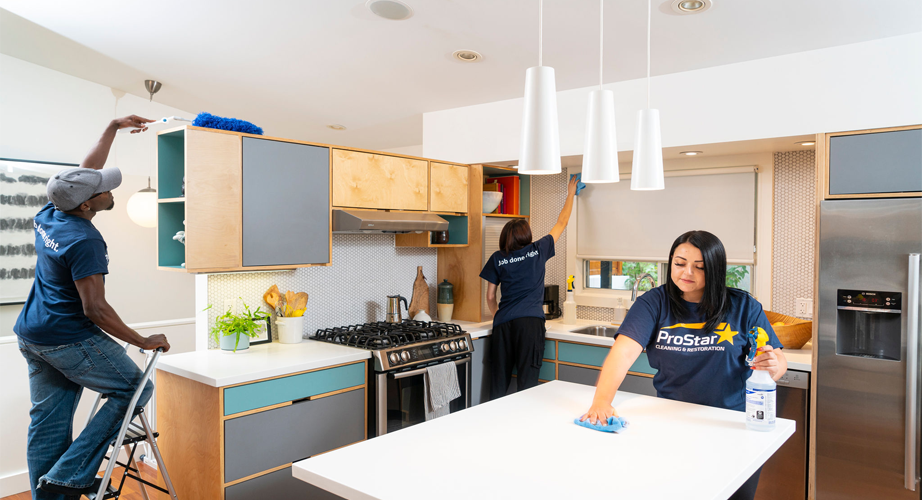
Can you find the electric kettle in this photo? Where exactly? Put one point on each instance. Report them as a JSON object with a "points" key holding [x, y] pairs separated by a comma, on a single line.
{"points": [[393, 308]]}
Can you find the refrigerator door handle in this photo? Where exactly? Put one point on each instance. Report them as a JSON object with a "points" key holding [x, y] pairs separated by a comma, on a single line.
{"points": [[912, 375]]}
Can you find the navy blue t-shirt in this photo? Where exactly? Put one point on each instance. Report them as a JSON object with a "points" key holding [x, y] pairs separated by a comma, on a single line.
{"points": [[69, 248], [521, 276], [694, 366]]}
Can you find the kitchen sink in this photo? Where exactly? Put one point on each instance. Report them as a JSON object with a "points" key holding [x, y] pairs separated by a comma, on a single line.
{"points": [[598, 331]]}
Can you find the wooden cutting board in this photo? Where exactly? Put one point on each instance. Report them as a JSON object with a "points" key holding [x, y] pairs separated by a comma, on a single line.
{"points": [[420, 300]]}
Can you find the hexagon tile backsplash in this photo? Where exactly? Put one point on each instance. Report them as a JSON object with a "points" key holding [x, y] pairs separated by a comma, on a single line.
{"points": [[366, 269]]}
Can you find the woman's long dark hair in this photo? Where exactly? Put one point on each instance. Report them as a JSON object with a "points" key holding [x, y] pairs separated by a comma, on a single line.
{"points": [[716, 300]]}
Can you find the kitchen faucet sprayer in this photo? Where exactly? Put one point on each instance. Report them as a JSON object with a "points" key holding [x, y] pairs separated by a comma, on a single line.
{"points": [[637, 284]]}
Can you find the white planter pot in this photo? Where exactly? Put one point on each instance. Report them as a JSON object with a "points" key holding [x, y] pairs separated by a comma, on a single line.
{"points": [[290, 330], [227, 343]]}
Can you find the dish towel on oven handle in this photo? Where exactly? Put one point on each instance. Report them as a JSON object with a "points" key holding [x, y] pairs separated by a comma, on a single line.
{"points": [[441, 387]]}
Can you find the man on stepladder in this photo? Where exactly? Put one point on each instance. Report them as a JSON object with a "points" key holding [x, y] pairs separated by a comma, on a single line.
{"points": [[61, 329]]}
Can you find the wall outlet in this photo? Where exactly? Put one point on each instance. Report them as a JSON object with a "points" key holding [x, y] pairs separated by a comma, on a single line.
{"points": [[229, 305], [803, 308]]}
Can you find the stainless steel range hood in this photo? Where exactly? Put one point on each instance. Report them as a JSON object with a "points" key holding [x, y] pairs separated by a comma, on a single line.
{"points": [[372, 221]]}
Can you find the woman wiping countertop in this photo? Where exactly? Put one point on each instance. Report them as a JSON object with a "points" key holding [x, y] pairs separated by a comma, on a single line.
{"points": [[693, 328]]}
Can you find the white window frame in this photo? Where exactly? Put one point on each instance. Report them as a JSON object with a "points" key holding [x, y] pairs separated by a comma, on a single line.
{"points": [[761, 267]]}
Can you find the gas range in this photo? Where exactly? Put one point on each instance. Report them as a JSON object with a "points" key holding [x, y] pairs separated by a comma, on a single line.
{"points": [[402, 346]]}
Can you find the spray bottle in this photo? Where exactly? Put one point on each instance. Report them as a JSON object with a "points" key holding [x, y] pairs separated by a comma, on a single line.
{"points": [[569, 305], [760, 388]]}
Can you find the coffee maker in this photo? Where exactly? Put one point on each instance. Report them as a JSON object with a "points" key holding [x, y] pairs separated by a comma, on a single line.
{"points": [[551, 302]]}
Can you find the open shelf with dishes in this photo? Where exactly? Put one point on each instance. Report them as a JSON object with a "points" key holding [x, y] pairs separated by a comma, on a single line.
{"points": [[491, 174]]}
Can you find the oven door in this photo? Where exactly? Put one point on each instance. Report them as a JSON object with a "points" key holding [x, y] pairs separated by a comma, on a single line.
{"points": [[400, 396]]}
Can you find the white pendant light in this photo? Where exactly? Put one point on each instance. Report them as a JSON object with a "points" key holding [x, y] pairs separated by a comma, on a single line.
{"points": [[647, 168], [540, 151], [142, 207], [600, 150]]}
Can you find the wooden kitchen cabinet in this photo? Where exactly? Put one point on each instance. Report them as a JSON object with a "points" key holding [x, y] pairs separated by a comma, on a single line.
{"points": [[238, 442], [448, 187], [377, 181], [246, 203]]}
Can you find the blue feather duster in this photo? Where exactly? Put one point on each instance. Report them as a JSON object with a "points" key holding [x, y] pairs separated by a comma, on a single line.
{"points": [[208, 120]]}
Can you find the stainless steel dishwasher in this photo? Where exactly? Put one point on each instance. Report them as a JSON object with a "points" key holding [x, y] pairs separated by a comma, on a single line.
{"points": [[785, 473]]}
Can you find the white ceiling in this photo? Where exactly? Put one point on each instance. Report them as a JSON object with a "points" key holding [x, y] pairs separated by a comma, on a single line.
{"points": [[294, 66]]}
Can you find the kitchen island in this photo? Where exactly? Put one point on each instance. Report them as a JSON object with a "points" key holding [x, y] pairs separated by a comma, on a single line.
{"points": [[526, 446]]}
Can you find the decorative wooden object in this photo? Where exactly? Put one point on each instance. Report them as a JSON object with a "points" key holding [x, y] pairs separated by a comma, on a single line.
{"points": [[363, 180], [420, 300]]}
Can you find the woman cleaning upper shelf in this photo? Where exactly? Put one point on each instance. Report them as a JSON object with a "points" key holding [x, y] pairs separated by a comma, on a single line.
{"points": [[518, 320], [694, 329]]}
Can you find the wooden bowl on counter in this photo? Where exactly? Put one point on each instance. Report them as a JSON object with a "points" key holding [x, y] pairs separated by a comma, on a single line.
{"points": [[794, 333]]}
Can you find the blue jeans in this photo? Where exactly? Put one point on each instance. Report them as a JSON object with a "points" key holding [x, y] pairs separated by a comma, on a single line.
{"points": [[57, 376]]}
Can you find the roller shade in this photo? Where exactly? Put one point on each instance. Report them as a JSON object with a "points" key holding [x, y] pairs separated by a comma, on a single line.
{"points": [[615, 223]]}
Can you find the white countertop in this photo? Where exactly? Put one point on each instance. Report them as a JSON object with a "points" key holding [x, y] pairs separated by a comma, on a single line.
{"points": [[526, 446], [219, 368], [798, 359]]}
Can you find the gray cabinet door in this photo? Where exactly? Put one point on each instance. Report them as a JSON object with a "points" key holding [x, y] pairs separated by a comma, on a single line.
{"points": [[286, 203], [588, 376], [480, 371], [577, 374], [882, 162], [261, 441], [278, 485]]}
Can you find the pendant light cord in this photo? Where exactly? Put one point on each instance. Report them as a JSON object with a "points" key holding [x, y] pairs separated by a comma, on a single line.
{"points": [[649, 16], [540, 31], [601, 33]]}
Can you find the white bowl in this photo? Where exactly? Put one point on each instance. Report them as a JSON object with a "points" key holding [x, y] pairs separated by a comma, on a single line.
{"points": [[491, 200]]}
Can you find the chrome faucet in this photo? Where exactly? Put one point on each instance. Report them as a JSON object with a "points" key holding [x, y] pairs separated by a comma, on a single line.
{"points": [[637, 284]]}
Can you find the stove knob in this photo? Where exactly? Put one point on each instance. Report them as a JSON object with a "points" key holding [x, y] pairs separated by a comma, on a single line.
{"points": [[453, 345], [462, 344], [394, 358], [405, 356], [444, 347]]}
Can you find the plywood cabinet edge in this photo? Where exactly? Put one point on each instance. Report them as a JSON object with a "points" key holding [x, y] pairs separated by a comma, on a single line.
{"points": [[461, 266], [214, 200]]}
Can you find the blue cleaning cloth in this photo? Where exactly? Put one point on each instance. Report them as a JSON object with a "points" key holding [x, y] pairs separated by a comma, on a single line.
{"points": [[614, 424], [208, 120], [579, 185]]}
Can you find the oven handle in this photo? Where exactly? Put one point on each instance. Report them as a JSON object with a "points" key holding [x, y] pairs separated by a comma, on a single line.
{"points": [[411, 373]]}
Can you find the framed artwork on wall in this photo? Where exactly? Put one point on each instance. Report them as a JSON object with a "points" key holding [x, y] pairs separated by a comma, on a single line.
{"points": [[22, 195]]}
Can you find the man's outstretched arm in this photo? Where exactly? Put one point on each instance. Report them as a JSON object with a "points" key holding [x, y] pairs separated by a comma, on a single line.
{"points": [[96, 158]]}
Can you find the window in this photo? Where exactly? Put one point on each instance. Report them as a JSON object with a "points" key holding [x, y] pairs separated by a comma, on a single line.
{"points": [[618, 275]]}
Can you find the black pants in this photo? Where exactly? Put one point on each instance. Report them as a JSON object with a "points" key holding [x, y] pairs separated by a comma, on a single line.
{"points": [[748, 490], [518, 344]]}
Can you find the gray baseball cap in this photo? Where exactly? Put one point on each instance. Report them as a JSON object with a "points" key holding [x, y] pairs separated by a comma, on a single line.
{"points": [[73, 186]]}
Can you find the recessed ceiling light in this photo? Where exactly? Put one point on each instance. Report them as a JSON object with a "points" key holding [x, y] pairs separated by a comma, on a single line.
{"points": [[335, 126], [691, 6], [467, 55], [392, 10], [691, 153], [806, 143]]}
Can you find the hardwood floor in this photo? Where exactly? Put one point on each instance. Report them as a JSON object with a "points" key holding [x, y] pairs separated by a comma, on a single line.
{"points": [[131, 491]]}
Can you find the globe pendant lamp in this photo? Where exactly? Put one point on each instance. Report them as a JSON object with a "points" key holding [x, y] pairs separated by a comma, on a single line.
{"points": [[540, 151], [647, 167], [600, 151], [142, 207]]}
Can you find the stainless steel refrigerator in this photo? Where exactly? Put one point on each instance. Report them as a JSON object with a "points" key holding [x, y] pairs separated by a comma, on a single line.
{"points": [[867, 373]]}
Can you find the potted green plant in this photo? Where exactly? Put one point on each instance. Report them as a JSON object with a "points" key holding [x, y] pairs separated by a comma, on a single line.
{"points": [[233, 331]]}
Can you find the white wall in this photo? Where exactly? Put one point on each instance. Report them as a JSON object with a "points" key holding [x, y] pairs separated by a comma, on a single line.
{"points": [[865, 85], [416, 150], [50, 116]]}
